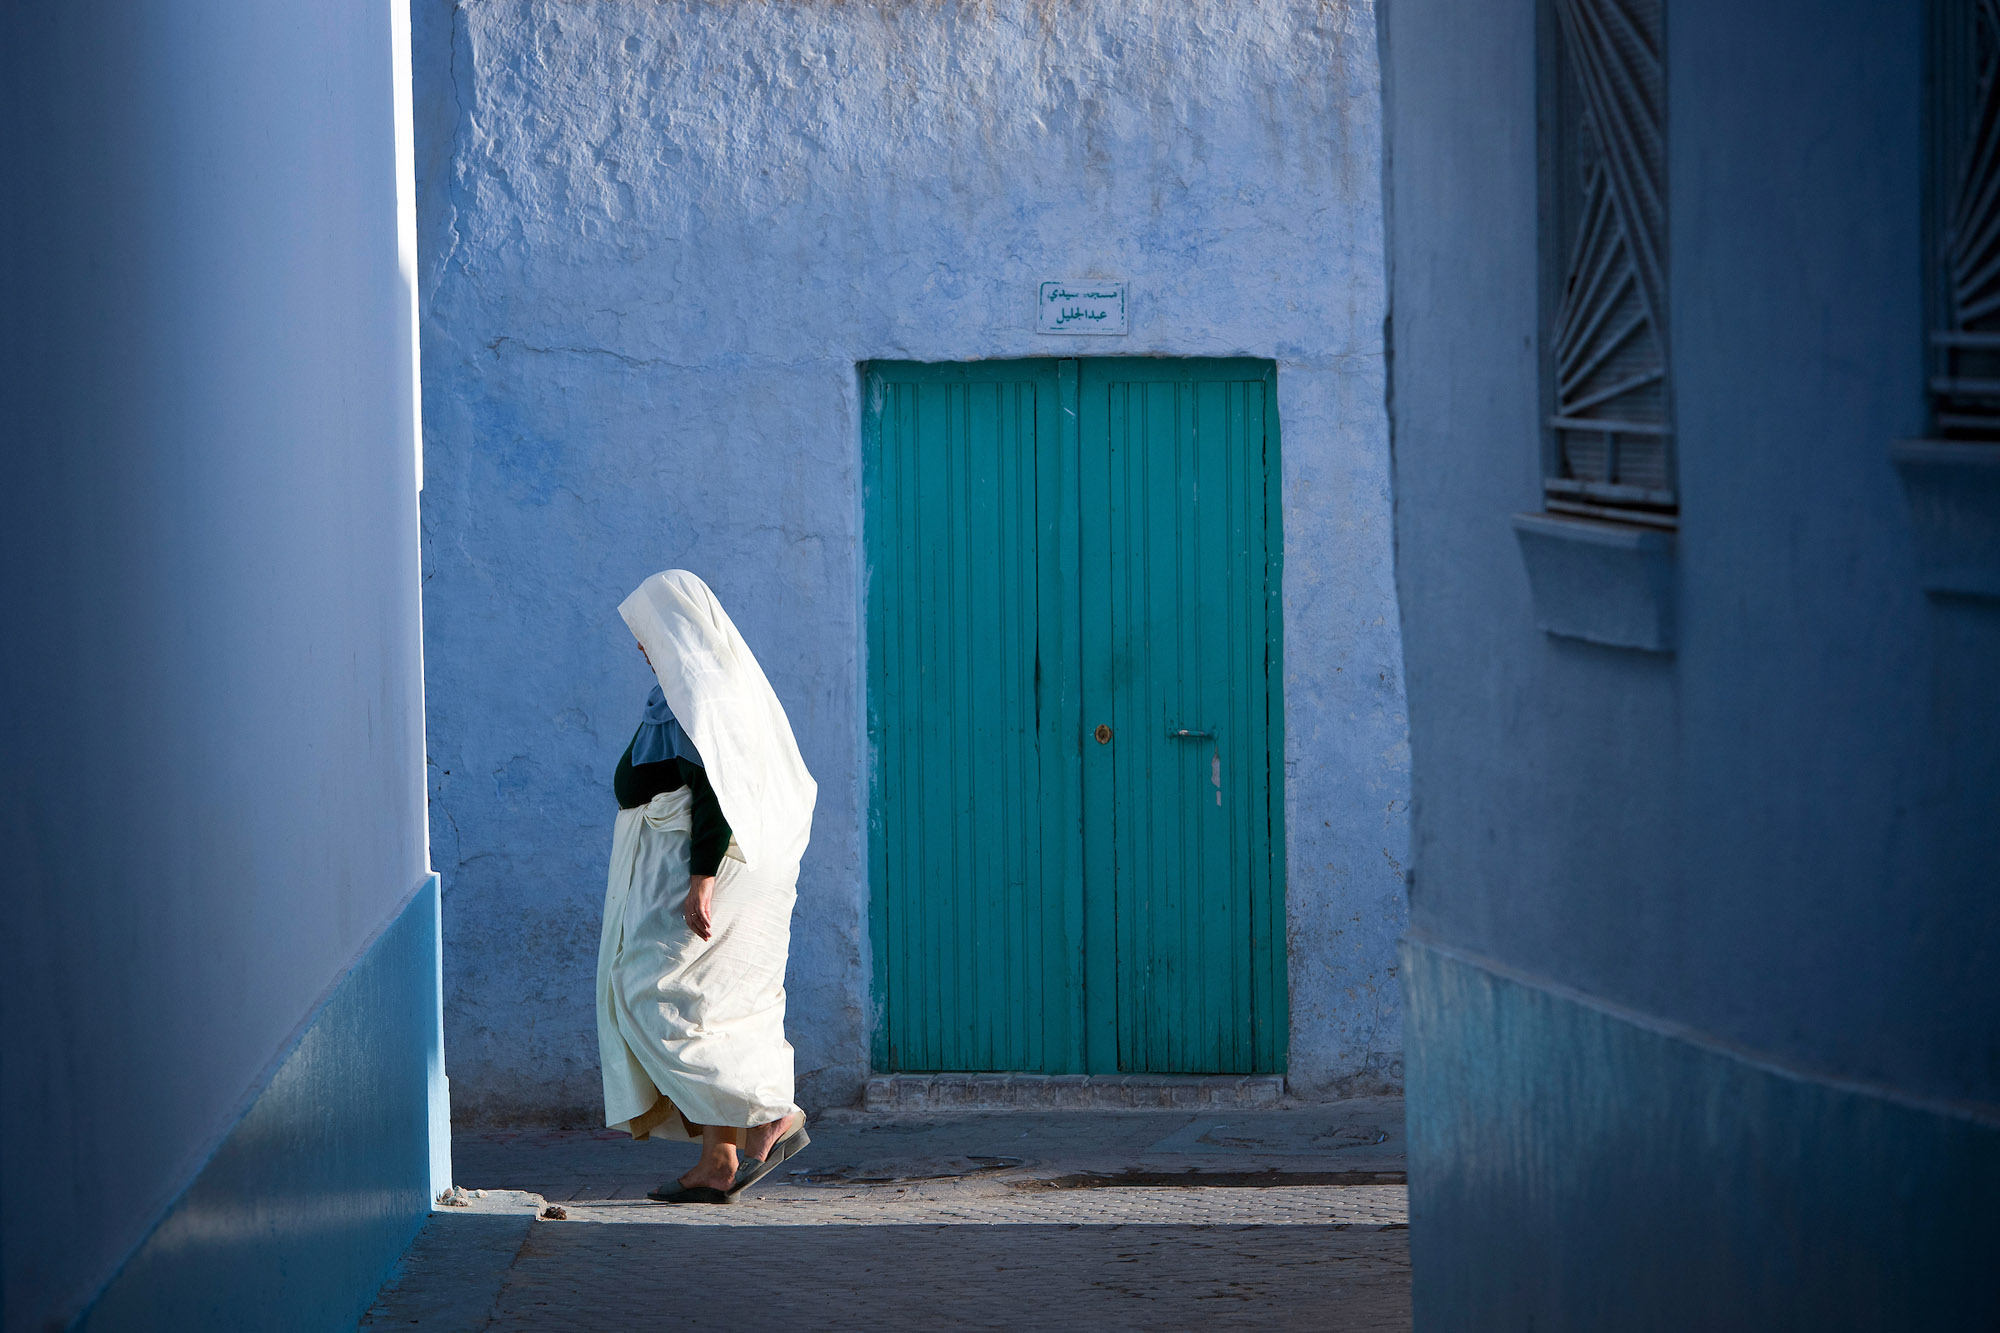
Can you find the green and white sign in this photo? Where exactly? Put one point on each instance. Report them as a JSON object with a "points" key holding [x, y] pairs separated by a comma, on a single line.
{"points": [[1080, 305]]}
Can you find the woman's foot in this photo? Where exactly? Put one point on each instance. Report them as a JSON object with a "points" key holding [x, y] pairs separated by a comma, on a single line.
{"points": [[761, 1137], [715, 1170]]}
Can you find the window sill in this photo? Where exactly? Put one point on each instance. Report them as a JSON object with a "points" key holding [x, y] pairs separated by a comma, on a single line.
{"points": [[1954, 494], [1608, 583]]}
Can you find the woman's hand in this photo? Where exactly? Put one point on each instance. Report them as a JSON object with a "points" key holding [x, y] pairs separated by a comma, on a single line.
{"points": [[700, 899]]}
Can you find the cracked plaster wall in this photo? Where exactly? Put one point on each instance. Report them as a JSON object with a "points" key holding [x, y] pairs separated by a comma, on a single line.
{"points": [[657, 240]]}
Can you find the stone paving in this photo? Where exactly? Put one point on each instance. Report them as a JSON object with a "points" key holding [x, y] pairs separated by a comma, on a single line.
{"points": [[1282, 1218]]}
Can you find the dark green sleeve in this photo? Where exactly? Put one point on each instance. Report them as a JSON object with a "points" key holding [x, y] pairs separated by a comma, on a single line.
{"points": [[709, 841], [622, 784]]}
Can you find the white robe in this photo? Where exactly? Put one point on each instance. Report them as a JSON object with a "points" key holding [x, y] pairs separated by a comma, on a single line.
{"points": [[700, 1022], [684, 1024]]}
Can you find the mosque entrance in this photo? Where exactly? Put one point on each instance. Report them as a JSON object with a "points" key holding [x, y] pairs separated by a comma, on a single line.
{"points": [[1076, 817]]}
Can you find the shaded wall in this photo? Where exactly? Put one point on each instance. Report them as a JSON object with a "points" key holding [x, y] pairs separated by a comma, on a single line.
{"points": [[1726, 887], [658, 242], [211, 800]]}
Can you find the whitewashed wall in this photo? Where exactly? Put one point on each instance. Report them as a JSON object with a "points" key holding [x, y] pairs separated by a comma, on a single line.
{"points": [[659, 238]]}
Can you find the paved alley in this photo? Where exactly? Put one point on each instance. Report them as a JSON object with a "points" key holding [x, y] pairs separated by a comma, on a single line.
{"points": [[1286, 1218]]}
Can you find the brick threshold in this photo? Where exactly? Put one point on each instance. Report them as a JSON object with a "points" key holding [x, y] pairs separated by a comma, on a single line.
{"points": [[924, 1093]]}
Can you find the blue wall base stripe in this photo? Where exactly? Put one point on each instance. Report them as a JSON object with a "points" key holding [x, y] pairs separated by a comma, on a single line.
{"points": [[1570, 1169], [310, 1199]]}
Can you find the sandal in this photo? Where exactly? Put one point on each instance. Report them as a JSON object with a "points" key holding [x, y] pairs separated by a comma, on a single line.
{"points": [[784, 1148], [673, 1191]]}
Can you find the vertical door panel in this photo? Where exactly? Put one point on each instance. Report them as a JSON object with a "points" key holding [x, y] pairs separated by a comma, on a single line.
{"points": [[975, 944], [1182, 809]]}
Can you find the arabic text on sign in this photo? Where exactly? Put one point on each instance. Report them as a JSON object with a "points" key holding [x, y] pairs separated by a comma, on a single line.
{"points": [[1081, 307]]}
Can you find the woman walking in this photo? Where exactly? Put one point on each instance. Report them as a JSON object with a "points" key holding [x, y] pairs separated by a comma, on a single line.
{"points": [[715, 807]]}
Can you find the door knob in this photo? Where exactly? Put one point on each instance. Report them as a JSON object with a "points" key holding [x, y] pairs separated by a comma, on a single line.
{"points": [[1103, 734]]}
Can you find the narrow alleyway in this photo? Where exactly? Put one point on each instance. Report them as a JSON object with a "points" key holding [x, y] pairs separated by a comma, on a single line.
{"points": [[1288, 1218]]}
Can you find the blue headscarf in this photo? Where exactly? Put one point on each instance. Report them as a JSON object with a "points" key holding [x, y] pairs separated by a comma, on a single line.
{"points": [[660, 735]]}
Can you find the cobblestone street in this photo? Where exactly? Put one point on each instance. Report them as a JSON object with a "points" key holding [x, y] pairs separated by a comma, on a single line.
{"points": [[1287, 1218]]}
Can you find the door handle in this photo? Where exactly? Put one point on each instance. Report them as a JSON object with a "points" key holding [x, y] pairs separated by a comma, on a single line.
{"points": [[1185, 735], [1103, 734]]}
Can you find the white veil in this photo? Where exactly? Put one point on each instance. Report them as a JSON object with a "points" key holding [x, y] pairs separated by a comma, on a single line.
{"points": [[727, 707]]}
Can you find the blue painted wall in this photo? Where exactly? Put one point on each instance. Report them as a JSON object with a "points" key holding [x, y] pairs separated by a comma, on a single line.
{"points": [[320, 1186], [211, 759], [659, 242], [1580, 1166], [1779, 839]]}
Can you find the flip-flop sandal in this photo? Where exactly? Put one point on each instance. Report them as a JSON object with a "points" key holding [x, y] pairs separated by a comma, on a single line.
{"points": [[673, 1191], [784, 1148]]}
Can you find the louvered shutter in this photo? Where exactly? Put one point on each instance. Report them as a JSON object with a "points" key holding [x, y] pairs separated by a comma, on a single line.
{"points": [[1607, 360], [1963, 202]]}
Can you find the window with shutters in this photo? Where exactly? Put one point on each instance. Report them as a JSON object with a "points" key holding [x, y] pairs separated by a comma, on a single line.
{"points": [[1605, 372], [1963, 203]]}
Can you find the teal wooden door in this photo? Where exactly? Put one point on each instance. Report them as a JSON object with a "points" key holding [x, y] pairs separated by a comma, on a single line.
{"points": [[1183, 799], [976, 861], [1053, 545]]}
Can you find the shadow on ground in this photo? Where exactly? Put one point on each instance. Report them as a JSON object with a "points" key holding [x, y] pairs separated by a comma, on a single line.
{"points": [[1292, 1219]]}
